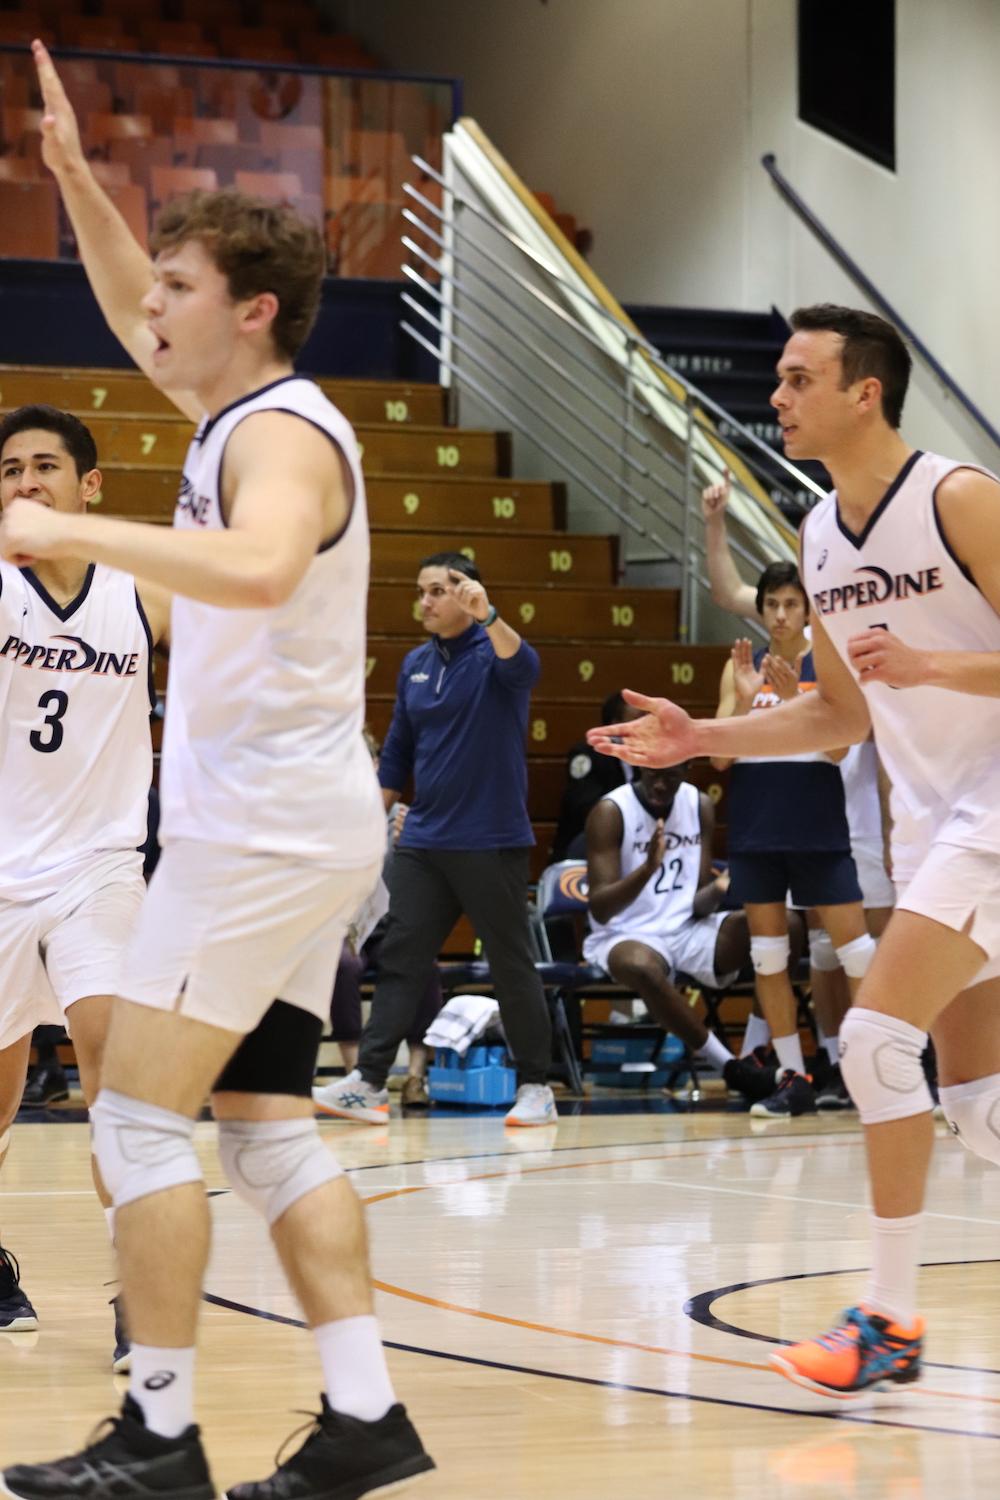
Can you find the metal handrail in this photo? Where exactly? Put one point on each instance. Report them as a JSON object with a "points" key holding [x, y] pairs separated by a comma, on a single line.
{"points": [[632, 335], [849, 264]]}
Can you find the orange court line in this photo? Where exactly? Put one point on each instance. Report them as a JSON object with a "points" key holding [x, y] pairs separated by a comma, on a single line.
{"points": [[596, 1338]]}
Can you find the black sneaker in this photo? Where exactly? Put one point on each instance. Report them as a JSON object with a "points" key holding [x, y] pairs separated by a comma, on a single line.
{"points": [[16, 1313], [753, 1076], [792, 1096], [832, 1094], [121, 1360], [344, 1458], [128, 1462], [47, 1085]]}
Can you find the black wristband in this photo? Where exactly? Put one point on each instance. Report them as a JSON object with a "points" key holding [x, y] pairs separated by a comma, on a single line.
{"points": [[490, 618]]}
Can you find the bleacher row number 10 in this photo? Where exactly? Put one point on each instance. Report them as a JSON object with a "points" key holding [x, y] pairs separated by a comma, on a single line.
{"points": [[504, 506]]}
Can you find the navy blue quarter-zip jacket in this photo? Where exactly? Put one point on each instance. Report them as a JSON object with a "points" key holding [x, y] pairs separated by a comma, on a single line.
{"points": [[460, 725]]}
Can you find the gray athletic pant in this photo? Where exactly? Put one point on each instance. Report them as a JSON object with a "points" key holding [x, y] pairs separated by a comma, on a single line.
{"points": [[429, 889]]}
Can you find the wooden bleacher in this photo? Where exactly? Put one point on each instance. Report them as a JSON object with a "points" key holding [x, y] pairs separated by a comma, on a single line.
{"points": [[433, 487]]}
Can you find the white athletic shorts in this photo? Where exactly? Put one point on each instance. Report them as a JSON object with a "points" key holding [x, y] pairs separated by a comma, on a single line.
{"points": [[690, 950], [951, 884], [223, 933], [56, 951], [877, 889]]}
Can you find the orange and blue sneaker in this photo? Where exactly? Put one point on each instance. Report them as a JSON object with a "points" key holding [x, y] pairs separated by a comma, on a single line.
{"points": [[864, 1352]]}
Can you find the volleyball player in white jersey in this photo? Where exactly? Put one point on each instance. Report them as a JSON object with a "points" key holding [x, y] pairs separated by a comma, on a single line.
{"points": [[654, 902], [75, 767], [902, 562], [271, 825]]}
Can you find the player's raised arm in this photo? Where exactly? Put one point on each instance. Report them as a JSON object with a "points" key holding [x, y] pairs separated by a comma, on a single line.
{"points": [[119, 270]]}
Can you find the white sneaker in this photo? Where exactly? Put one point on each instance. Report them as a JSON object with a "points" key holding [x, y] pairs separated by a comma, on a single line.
{"points": [[353, 1099], [534, 1105]]}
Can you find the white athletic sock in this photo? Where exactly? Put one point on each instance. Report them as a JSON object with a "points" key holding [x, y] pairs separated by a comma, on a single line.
{"points": [[757, 1034], [892, 1285], [109, 1219], [354, 1368], [714, 1051], [163, 1385], [830, 1047], [789, 1050]]}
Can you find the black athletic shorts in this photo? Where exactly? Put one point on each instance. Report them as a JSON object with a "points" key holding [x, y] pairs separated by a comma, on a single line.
{"points": [[810, 879]]}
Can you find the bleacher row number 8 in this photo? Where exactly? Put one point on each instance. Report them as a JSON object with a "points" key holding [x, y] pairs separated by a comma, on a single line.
{"points": [[448, 456], [539, 730], [397, 411]]}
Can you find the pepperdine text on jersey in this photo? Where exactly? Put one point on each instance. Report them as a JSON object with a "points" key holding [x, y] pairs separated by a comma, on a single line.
{"points": [[77, 657], [877, 589]]}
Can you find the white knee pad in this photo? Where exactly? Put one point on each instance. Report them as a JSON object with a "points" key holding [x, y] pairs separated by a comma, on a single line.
{"points": [[973, 1114], [822, 953], [855, 957], [880, 1061], [273, 1163], [770, 955], [140, 1148]]}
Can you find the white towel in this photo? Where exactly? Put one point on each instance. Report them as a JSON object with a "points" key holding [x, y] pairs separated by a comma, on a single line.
{"points": [[462, 1020]]}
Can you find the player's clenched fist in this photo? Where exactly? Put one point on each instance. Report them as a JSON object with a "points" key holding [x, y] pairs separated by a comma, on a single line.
{"points": [[29, 531], [469, 595]]}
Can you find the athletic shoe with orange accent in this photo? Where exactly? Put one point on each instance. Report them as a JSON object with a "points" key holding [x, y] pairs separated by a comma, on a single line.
{"points": [[862, 1353], [353, 1098]]}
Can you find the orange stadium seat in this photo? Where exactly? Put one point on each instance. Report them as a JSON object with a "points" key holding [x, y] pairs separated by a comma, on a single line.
{"points": [[181, 38], [22, 169], [211, 12], [101, 129], [29, 212], [111, 174], [257, 42], [21, 127], [167, 182], [270, 184], [141, 155], [19, 29], [190, 132], [226, 161], [277, 138], [163, 105], [99, 33], [132, 203]]}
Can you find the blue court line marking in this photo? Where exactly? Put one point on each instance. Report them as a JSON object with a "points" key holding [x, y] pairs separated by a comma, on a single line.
{"points": [[618, 1385], [699, 1308]]}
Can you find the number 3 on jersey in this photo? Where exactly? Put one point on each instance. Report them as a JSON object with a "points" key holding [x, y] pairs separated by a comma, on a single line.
{"points": [[57, 704]]}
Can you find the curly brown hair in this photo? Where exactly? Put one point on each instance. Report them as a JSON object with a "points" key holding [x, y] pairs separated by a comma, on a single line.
{"points": [[259, 245]]}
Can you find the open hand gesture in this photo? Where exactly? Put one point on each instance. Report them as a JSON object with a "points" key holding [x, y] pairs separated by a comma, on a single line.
{"points": [[747, 679], [782, 676], [665, 736], [61, 148]]}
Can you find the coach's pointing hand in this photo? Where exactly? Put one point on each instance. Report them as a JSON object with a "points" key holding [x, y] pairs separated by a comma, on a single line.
{"points": [[469, 595], [61, 148]]}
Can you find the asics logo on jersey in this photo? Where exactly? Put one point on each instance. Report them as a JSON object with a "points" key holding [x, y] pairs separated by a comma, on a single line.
{"points": [[876, 589], [78, 656], [196, 506]]}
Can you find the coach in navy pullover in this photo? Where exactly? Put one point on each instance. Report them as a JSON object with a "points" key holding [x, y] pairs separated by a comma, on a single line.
{"points": [[459, 729]]}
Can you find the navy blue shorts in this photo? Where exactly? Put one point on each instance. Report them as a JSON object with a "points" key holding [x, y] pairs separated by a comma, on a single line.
{"points": [[810, 879]]}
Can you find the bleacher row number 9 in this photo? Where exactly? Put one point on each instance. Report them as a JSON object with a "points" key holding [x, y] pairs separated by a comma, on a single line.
{"points": [[539, 730], [504, 508], [448, 456], [469, 552], [411, 503], [370, 662], [560, 561], [715, 792], [527, 612], [397, 411], [585, 669], [623, 615]]}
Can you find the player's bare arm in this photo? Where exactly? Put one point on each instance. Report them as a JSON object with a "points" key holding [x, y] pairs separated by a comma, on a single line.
{"points": [[288, 495], [728, 589], [834, 715], [611, 893], [968, 506], [119, 270], [711, 887], [156, 607]]}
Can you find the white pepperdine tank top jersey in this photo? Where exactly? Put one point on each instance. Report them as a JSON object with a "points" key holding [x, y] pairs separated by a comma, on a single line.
{"points": [[941, 749], [666, 902], [262, 747], [76, 759]]}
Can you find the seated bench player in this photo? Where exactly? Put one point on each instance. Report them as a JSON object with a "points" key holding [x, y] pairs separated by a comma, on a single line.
{"points": [[654, 901]]}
